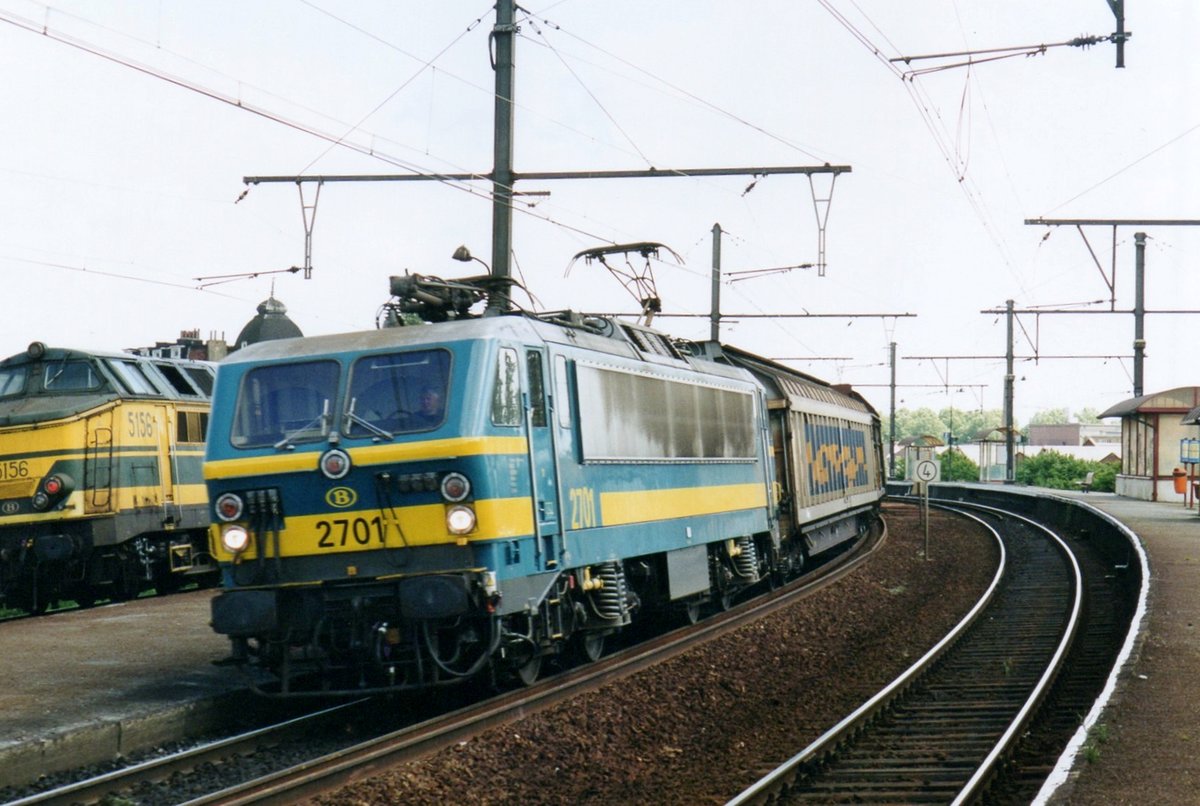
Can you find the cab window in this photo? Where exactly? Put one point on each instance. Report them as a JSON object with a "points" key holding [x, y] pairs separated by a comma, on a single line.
{"points": [[283, 404], [12, 381], [397, 393]]}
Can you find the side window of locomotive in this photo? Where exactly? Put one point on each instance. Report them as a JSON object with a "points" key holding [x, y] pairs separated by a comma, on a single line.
{"points": [[562, 393], [70, 376], [12, 381], [132, 378], [633, 417], [191, 426], [202, 377], [398, 392], [175, 377], [537, 387], [506, 391], [281, 404]]}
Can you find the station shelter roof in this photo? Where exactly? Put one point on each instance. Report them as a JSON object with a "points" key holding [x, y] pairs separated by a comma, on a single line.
{"points": [[995, 433], [922, 441], [1182, 399]]}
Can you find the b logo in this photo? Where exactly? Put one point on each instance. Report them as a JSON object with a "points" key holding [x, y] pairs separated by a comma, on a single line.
{"points": [[341, 497]]}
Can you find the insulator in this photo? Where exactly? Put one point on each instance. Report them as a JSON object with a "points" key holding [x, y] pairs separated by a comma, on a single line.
{"points": [[745, 561]]}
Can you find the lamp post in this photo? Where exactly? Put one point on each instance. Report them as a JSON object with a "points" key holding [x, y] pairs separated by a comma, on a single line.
{"points": [[463, 255]]}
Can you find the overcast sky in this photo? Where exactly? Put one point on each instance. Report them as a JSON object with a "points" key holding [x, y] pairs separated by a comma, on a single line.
{"points": [[128, 129]]}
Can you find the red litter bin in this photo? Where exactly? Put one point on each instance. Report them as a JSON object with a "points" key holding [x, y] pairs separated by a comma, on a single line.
{"points": [[1180, 477]]}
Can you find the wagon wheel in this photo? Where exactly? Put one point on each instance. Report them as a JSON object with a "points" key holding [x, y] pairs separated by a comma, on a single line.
{"points": [[589, 646], [725, 600], [692, 612]]}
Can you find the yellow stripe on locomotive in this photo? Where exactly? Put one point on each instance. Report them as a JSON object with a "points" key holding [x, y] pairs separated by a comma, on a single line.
{"points": [[368, 529]]}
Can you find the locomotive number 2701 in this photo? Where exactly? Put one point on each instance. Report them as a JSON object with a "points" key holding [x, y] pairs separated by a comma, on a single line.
{"points": [[583, 507], [340, 531]]}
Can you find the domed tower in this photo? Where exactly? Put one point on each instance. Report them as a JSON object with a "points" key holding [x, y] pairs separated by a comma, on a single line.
{"points": [[271, 322]]}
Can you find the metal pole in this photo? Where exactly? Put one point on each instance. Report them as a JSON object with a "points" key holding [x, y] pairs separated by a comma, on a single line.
{"points": [[925, 507], [1009, 474], [892, 421], [503, 35], [1139, 313], [715, 333]]}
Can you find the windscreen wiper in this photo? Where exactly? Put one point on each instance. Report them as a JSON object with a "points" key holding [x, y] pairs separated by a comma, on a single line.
{"points": [[349, 414], [321, 419]]}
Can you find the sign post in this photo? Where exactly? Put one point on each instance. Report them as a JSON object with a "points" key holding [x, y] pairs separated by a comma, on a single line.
{"points": [[926, 472]]}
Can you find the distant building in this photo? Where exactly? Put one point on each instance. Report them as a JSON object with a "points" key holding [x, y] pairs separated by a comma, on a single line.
{"points": [[1075, 434], [270, 323], [189, 345]]}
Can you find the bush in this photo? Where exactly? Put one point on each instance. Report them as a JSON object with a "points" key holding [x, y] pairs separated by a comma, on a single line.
{"points": [[1061, 472], [957, 466]]}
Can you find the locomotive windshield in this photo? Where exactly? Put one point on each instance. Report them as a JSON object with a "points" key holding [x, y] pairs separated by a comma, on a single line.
{"points": [[397, 393], [281, 404]]}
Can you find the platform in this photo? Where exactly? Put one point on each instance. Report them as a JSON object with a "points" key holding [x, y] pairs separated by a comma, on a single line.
{"points": [[1152, 725], [138, 674]]}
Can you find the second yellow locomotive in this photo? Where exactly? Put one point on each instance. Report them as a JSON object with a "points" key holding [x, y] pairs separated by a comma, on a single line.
{"points": [[101, 493]]}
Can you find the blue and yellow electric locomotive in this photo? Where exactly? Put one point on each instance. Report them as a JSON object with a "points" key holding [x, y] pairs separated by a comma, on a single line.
{"points": [[406, 507], [101, 494]]}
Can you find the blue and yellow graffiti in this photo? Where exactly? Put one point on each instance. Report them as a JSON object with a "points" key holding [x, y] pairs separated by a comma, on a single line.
{"points": [[837, 457]]}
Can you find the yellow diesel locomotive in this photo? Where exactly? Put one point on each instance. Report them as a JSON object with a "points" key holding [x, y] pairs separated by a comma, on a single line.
{"points": [[101, 491]]}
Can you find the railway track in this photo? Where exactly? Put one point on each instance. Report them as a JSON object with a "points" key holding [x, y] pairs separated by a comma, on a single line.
{"points": [[353, 761], [989, 709]]}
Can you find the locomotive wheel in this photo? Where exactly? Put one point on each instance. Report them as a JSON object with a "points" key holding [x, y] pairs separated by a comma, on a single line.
{"points": [[725, 601], [589, 646], [692, 612], [528, 671]]}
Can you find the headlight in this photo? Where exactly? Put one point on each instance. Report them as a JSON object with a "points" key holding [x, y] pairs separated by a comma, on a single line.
{"points": [[51, 490], [229, 507], [455, 487], [460, 520], [335, 464], [235, 539]]}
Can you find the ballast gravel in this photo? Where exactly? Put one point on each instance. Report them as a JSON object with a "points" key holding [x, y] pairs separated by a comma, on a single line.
{"points": [[703, 726]]}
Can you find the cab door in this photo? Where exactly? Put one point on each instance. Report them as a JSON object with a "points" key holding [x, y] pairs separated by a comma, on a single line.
{"points": [[99, 492], [165, 435], [542, 466]]}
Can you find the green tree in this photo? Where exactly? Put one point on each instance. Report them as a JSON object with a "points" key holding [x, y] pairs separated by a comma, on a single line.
{"points": [[966, 423], [915, 423], [1049, 417], [1087, 415]]}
